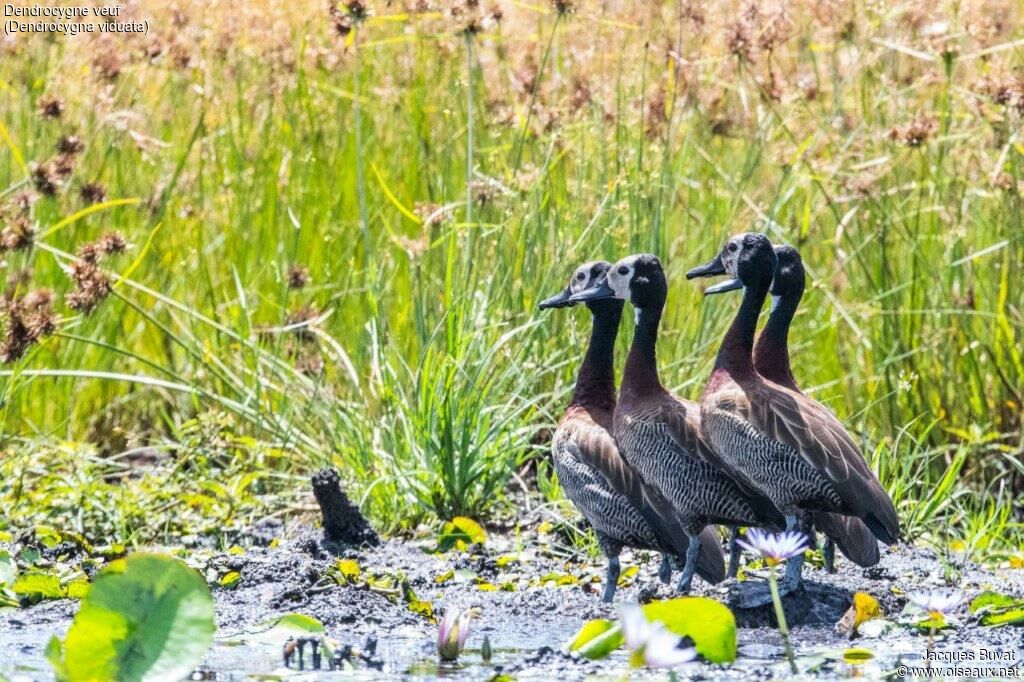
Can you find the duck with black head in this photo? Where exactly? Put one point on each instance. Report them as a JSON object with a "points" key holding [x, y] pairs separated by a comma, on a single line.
{"points": [[658, 433], [774, 438], [608, 492], [771, 361]]}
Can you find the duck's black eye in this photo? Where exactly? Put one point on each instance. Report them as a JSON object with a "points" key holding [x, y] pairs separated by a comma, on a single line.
{"points": [[623, 270], [733, 246], [580, 276]]}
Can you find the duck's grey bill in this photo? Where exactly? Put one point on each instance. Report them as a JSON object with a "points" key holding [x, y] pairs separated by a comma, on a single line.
{"points": [[594, 293], [559, 300], [722, 287], [712, 268]]}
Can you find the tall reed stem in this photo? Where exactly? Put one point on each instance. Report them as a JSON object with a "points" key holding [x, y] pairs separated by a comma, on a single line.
{"points": [[357, 109], [469, 144]]}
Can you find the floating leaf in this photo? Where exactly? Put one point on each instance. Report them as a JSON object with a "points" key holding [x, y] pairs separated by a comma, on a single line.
{"points": [[236, 550], [146, 616], [288, 625], [230, 579], [484, 586], [349, 571], [418, 606], [858, 655], [506, 560], [936, 622], [864, 608], [460, 533], [626, 577], [998, 609], [36, 586], [558, 579], [989, 600], [445, 577], [1017, 561], [710, 625], [597, 639]]}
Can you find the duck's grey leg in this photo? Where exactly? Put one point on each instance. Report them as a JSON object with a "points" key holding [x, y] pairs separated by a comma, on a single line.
{"points": [[829, 552], [734, 553], [665, 570], [611, 579], [611, 549], [795, 565], [692, 554]]}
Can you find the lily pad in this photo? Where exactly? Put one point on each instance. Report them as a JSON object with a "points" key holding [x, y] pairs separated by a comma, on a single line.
{"points": [[146, 616], [710, 625], [998, 609]]}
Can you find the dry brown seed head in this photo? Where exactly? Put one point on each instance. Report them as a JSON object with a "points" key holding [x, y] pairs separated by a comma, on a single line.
{"points": [[70, 145], [45, 177], [92, 193], [298, 277], [50, 107]]}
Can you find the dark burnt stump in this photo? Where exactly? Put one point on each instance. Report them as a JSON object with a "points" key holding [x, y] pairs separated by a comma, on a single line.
{"points": [[343, 521]]}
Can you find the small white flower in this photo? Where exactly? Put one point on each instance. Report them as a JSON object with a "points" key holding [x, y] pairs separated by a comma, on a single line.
{"points": [[452, 633], [775, 547], [651, 642], [936, 602]]}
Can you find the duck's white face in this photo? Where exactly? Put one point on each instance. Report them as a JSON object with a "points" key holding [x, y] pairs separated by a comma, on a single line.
{"points": [[731, 254], [621, 275], [581, 279]]}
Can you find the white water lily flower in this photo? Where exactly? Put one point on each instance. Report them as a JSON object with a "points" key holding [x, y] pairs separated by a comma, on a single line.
{"points": [[936, 602], [651, 642], [774, 547], [453, 631]]}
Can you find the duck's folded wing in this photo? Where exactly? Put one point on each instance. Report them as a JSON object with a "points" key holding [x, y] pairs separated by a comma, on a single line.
{"points": [[821, 440], [600, 451], [685, 429]]}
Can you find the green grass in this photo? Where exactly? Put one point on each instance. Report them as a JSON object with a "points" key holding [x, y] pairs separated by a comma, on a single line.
{"points": [[439, 377]]}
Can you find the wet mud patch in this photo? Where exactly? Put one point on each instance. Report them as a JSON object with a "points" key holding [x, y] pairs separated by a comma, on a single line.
{"points": [[531, 603]]}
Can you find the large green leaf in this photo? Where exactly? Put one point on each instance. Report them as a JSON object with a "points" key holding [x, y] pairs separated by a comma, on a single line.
{"points": [[710, 625], [144, 617]]}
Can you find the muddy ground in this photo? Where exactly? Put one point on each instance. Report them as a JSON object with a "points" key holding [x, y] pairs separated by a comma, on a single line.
{"points": [[521, 616]]}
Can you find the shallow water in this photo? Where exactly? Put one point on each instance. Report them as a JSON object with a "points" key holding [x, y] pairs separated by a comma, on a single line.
{"points": [[21, 658]]}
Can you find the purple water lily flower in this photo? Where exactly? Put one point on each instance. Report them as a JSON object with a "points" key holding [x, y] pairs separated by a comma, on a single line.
{"points": [[774, 547]]}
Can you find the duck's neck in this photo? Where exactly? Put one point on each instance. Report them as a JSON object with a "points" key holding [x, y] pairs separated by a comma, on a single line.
{"points": [[640, 375], [771, 353], [734, 355], [595, 383]]}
